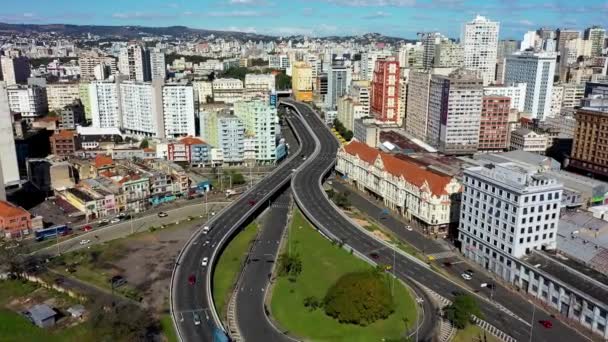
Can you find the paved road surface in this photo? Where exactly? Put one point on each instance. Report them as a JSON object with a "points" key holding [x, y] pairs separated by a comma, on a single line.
{"points": [[256, 275], [317, 207], [189, 299]]}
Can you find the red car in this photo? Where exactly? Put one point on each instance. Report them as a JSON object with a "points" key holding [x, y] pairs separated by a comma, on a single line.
{"points": [[251, 202], [87, 228], [546, 324], [191, 279]]}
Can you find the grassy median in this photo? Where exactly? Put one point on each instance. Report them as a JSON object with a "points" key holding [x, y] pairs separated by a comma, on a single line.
{"points": [[322, 264], [229, 266]]}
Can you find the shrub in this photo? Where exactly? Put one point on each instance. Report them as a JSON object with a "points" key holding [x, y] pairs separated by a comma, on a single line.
{"points": [[290, 265], [461, 310], [359, 298]]}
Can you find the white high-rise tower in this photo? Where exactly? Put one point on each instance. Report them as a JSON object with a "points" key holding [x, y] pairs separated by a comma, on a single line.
{"points": [[480, 42]]}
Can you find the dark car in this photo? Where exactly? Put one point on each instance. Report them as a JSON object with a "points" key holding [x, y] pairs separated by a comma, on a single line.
{"points": [[192, 279], [374, 255], [117, 281], [251, 202]]}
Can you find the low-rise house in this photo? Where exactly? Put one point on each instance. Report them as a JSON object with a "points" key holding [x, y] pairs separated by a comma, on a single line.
{"points": [[15, 222], [42, 315], [413, 190], [527, 140]]}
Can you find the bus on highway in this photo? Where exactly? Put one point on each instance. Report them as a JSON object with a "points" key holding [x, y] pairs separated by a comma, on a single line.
{"points": [[52, 232]]}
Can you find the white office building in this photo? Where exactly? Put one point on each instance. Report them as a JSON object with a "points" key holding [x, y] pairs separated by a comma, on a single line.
{"points": [[507, 211], [8, 153], [104, 104], [368, 62], [134, 62], [227, 90], [28, 100], [203, 91], [60, 95], [142, 108], [537, 71], [361, 93], [231, 135], [179, 110], [480, 44], [158, 66], [263, 83], [516, 92], [15, 69]]}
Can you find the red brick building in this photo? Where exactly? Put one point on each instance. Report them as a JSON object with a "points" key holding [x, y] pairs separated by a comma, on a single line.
{"points": [[64, 143], [494, 124], [385, 91], [14, 221]]}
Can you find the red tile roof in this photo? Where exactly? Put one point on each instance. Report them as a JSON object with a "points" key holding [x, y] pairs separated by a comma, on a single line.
{"points": [[64, 134], [8, 209], [129, 178], [101, 161], [191, 141], [410, 171]]}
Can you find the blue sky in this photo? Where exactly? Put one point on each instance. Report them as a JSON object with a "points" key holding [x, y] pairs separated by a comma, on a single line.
{"points": [[402, 18]]}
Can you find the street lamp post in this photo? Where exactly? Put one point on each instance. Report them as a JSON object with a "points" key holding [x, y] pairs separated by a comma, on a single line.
{"points": [[532, 321]]}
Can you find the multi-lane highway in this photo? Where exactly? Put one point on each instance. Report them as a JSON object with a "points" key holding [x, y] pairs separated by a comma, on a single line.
{"points": [[328, 218], [194, 297]]}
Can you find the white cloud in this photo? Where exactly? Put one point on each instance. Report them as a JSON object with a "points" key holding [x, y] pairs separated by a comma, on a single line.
{"points": [[373, 3], [248, 2], [237, 14], [249, 29], [377, 15]]}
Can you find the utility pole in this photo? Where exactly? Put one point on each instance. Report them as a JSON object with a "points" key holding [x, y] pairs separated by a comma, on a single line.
{"points": [[532, 321]]}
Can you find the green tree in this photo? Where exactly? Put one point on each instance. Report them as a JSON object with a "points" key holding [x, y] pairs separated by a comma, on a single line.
{"points": [[460, 312], [121, 322], [236, 72], [258, 62], [144, 144], [237, 177], [359, 298], [290, 265], [283, 82]]}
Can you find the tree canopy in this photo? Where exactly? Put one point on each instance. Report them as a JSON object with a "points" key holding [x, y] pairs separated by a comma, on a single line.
{"points": [[359, 298], [461, 310]]}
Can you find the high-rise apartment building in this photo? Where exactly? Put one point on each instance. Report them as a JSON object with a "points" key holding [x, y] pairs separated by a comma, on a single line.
{"points": [[557, 98], [71, 115], [8, 152], [589, 145], [87, 62], [301, 81], [338, 81], [429, 42], [179, 110], [28, 100], [227, 90], [259, 119], [142, 108], [516, 92], [597, 37], [454, 112], [158, 66], [411, 55], [60, 95], [480, 43], [573, 94], [416, 112], [494, 123], [134, 62], [368, 62], [104, 103], [15, 69], [448, 55], [361, 93], [563, 36], [385, 91], [537, 71], [231, 135], [506, 211], [507, 47]]}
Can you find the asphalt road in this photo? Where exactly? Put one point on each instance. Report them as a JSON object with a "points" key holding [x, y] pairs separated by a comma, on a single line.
{"points": [[317, 207], [189, 299], [256, 275], [127, 227]]}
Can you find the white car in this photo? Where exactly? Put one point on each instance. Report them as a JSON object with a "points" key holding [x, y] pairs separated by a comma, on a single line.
{"points": [[84, 242], [205, 261], [466, 276], [206, 229], [408, 228], [114, 220]]}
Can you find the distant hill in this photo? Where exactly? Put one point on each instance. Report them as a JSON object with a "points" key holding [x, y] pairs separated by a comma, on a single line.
{"points": [[132, 32]]}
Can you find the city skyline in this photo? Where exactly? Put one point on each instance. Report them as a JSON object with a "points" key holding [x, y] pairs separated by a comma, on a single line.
{"points": [[399, 18]]}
